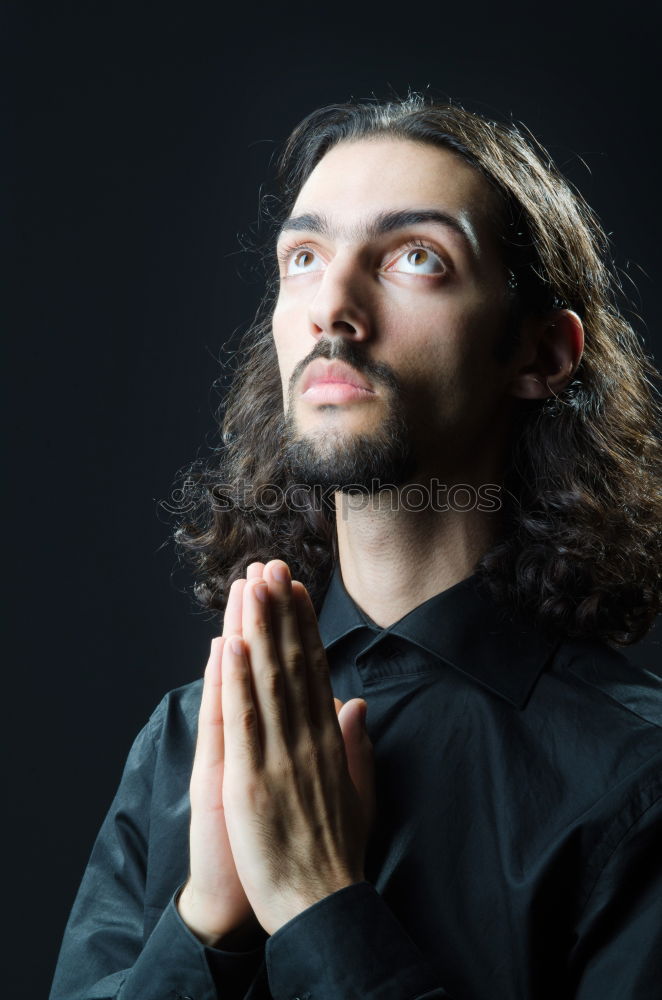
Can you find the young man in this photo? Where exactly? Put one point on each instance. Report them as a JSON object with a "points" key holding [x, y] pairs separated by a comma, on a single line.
{"points": [[460, 432]]}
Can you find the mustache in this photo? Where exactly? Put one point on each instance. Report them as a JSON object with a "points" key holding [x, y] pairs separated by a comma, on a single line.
{"points": [[340, 349]]}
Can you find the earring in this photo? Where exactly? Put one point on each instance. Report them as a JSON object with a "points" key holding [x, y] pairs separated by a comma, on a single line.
{"points": [[512, 280]]}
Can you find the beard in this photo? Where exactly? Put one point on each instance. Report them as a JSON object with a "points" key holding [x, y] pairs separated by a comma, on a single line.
{"points": [[334, 458]]}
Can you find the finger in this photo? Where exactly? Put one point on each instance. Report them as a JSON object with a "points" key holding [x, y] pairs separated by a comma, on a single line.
{"points": [[290, 649], [265, 670], [243, 752], [209, 751], [232, 617], [338, 703], [320, 695], [360, 755]]}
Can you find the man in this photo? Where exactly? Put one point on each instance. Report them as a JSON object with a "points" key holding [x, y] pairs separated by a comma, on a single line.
{"points": [[441, 336]]}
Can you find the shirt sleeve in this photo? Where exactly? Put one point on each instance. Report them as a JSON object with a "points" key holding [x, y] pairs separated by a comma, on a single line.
{"points": [[348, 946], [106, 952], [618, 954]]}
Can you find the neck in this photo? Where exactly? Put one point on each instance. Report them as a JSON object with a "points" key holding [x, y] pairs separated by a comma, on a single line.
{"points": [[393, 558]]}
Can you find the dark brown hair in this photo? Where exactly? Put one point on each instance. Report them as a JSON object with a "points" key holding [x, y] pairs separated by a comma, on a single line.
{"points": [[581, 549]]}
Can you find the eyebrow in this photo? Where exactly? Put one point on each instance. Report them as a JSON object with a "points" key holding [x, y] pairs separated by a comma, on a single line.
{"points": [[383, 222]]}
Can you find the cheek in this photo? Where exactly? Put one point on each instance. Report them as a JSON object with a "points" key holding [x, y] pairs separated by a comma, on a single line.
{"points": [[445, 339], [452, 371], [290, 348]]}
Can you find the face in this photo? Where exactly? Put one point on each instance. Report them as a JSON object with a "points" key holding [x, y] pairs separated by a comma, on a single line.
{"points": [[393, 271]]}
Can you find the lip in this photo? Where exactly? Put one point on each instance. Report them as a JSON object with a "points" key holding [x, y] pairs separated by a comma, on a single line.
{"points": [[331, 373], [335, 392]]}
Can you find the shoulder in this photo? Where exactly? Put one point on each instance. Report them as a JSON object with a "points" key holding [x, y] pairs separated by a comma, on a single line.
{"points": [[603, 676], [588, 748], [177, 713], [598, 717]]}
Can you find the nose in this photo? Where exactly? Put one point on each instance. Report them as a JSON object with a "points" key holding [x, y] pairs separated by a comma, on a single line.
{"points": [[340, 307]]}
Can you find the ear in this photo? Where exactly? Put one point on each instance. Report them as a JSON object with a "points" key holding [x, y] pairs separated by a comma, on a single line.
{"points": [[554, 345]]}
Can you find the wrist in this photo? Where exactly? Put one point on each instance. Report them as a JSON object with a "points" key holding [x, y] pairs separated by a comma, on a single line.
{"points": [[292, 907], [197, 922], [203, 921]]}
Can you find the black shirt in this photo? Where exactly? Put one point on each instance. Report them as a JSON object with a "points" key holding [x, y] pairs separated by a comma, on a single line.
{"points": [[517, 853]]}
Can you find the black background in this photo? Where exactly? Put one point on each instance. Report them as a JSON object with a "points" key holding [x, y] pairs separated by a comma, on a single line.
{"points": [[142, 134]]}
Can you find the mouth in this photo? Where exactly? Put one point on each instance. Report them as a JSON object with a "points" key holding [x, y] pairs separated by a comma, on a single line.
{"points": [[321, 376], [334, 391]]}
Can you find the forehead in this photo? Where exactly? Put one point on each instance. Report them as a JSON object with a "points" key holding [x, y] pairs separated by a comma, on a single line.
{"points": [[358, 180]]}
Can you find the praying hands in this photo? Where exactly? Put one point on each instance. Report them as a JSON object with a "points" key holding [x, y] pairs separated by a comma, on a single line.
{"points": [[282, 787]]}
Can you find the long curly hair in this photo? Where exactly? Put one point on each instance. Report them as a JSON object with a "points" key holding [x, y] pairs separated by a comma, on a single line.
{"points": [[581, 547]]}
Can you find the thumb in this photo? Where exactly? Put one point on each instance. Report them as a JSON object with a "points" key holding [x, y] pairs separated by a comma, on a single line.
{"points": [[360, 759]]}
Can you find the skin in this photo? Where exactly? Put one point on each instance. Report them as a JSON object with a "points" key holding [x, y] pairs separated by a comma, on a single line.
{"points": [[236, 882], [282, 789], [436, 332]]}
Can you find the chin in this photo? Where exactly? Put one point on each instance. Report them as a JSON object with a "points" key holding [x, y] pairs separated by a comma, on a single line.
{"points": [[343, 460]]}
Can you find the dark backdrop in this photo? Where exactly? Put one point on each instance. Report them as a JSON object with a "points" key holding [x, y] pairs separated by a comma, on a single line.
{"points": [[143, 133]]}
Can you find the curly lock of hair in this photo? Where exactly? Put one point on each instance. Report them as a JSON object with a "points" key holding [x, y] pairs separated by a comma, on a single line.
{"points": [[581, 549]]}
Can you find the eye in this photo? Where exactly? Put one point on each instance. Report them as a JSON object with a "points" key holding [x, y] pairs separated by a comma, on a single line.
{"points": [[415, 257], [418, 257], [298, 260]]}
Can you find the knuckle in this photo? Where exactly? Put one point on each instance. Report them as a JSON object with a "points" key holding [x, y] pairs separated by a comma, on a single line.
{"points": [[295, 661], [284, 602], [273, 681], [318, 662], [262, 628], [247, 720]]}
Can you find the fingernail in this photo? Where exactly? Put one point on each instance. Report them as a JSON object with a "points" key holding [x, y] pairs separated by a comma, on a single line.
{"points": [[281, 572], [260, 592], [237, 647]]}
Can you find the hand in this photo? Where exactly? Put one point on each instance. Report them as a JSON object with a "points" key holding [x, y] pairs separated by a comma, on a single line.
{"points": [[298, 785], [213, 902]]}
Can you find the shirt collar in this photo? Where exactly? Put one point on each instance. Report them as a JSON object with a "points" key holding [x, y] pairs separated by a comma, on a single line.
{"points": [[461, 626]]}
